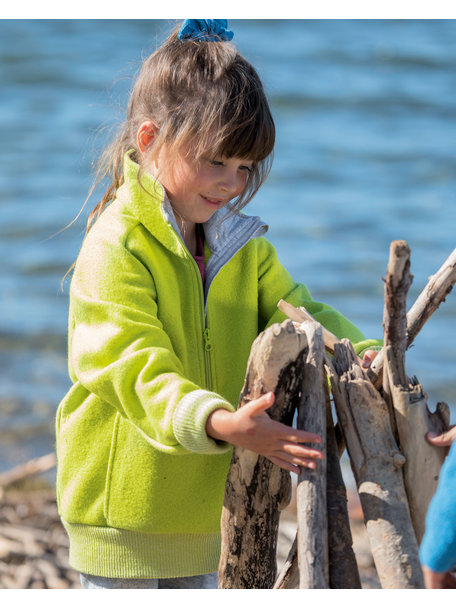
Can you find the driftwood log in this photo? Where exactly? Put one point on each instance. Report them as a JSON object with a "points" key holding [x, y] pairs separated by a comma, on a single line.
{"points": [[311, 489], [377, 468], [300, 315], [436, 290], [324, 542], [423, 461], [257, 490], [343, 569], [412, 417], [374, 435]]}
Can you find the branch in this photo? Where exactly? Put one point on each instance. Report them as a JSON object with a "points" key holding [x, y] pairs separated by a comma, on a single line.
{"points": [[435, 292], [438, 287], [299, 315], [32, 467]]}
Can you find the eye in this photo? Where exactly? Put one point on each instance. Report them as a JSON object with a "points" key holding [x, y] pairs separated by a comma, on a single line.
{"points": [[247, 168], [215, 163]]}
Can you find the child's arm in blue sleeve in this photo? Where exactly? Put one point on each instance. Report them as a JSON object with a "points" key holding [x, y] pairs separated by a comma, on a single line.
{"points": [[438, 549]]}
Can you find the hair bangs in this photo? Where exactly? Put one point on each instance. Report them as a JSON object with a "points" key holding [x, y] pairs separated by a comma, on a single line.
{"points": [[253, 140]]}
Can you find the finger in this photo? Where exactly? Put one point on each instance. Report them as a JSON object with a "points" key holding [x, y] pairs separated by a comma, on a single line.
{"points": [[290, 434], [300, 451], [443, 439], [299, 461], [368, 357], [283, 464]]}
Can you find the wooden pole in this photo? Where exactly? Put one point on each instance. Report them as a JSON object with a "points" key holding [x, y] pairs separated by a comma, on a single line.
{"points": [[412, 418], [423, 461], [256, 489], [376, 463], [311, 488], [397, 283], [342, 568]]}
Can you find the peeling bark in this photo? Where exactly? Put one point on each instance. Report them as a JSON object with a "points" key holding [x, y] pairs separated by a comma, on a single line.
{"points": [[376, 463], [257, 490]]}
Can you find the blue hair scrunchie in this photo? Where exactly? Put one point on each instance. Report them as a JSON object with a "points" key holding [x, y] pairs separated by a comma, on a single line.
{"points": [[206, 30]]}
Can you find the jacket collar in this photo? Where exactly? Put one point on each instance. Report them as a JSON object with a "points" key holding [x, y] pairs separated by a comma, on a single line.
{"points": [[225, 233]]}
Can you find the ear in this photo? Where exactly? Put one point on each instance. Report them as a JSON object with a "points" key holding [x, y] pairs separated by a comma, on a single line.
{"points": [[146, 135]]}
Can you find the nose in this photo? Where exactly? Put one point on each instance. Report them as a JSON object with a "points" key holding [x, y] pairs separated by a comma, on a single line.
{"points": [[232, 182]]}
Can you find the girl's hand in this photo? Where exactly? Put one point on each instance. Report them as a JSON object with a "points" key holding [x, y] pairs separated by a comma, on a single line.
{"points": [[252, 428], [443, 439], [368, 357]]}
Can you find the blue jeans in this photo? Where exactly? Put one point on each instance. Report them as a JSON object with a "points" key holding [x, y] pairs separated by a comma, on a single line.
{"points": [[201, 581]]}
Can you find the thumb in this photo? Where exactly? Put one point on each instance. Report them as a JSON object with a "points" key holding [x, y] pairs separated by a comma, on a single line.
{"points": [[443, 439], [257, 406]]}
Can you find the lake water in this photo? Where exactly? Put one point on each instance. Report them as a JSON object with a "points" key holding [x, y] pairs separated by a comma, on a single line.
{"points": [[366, 121]]}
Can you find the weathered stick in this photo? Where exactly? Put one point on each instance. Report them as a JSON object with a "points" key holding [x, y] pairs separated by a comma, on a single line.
{"points": [[256, 489], [338, 569], [412, 418], [438, 287], [376, 463], [343, 569], [311, 488], [397, 283], [289, 575], [423, 461], [32, 467], [300, 315]]}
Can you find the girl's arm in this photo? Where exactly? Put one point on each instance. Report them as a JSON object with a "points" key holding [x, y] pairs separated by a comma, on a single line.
{"points": [[250, 427], [120, 352], [275, 283]]}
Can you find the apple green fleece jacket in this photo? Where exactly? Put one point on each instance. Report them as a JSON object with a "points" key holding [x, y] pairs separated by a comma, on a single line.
{"points": [[140, 485]]}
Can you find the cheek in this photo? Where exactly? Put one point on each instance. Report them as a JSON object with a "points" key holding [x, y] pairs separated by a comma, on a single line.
{"points": [[178, 180], [243, 180]]}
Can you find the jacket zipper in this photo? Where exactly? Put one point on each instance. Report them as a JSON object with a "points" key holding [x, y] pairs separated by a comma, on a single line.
{"points": [[207, 357], [206, 336]]}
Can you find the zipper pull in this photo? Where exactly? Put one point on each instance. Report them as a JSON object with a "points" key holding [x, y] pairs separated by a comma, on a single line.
{"points": [[207, 339]]}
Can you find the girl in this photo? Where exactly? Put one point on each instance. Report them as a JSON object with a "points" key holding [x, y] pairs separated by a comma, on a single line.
{"points": [[171, 287]]}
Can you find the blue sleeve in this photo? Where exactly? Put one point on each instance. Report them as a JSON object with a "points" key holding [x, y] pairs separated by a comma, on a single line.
{"points": [[438, 549]]}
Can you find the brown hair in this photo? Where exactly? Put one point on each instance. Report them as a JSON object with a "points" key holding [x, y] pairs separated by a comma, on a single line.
{"points": [[193, 91]]}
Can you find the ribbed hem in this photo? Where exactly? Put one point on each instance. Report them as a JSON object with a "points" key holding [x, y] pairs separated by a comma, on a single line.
{"points": [[125, 554], [189, 422]]}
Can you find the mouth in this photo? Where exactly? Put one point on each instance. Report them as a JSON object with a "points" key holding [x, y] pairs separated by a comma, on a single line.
{"points": [[215, 202]]}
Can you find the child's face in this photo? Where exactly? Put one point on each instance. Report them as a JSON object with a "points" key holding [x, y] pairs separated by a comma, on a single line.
{"points": [[196, 190]]}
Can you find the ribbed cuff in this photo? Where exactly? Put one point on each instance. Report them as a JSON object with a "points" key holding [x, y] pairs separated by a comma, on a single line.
{"points": [[189, 422], [361, 347]]}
